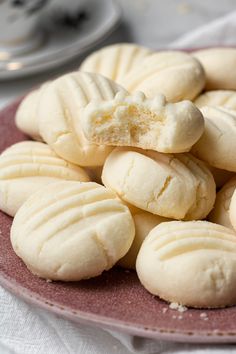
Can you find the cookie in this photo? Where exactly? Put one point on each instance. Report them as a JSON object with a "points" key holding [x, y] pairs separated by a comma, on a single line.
{"points": [[219, 65], [27, 166], [61, 110], [71, 231], [137, 121], [191, 263], [115, 61], [176, 75], [174, 186], [224, 98], [217, 145]]}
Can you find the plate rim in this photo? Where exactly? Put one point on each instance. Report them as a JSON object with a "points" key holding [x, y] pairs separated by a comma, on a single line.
{"points": [[99, 321]]}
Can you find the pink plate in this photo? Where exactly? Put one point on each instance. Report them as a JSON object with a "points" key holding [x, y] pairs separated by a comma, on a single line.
{"points": [[115, 300]]}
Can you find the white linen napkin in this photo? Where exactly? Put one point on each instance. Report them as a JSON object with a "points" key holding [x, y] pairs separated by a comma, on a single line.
{"points": [[25, 329], [221, 31]]}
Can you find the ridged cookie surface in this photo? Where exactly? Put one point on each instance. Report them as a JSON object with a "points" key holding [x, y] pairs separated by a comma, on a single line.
{"points": [[217, 145], [71, 231], [134, 120], [174, 186], [175, 74], [219, 65], [27, 166], [224, 98], [191, 263], [115, 61], [61, 111]]}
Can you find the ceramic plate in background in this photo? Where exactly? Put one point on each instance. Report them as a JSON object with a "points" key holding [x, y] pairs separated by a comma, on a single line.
{"points": [[66, 36]]}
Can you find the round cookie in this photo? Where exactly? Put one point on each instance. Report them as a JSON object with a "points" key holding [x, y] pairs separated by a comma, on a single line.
{"points": [[27, 166], [71, 231], [61, 110], [219, 65], [224, 98], [220, 212], [174, 186], [175, 74], [218, 142], [134, 120], [115, 61], [144, 222], [191, 263]]}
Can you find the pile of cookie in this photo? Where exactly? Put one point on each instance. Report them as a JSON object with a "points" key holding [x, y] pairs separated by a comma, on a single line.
{"points": [[133, 163]]}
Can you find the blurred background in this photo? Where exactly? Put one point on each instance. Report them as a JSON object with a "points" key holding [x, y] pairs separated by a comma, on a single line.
{"points": [[73, 29]]}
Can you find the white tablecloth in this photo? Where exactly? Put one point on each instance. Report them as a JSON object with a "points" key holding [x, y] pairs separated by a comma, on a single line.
{"points": [[25, 329]]}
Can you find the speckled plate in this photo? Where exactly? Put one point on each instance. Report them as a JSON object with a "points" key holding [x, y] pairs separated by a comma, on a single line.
{"points": [[114, 300]]}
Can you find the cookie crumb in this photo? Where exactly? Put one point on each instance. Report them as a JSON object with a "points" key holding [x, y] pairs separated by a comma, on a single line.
{"points": [[178, 307], [203, 314]]}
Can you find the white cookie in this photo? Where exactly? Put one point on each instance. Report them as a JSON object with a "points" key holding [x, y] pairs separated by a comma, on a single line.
{"points": [[191, 263], [144, 222], [26, 116], [27, 166], [217, 145], [116, 60], [219, 65], [177, 75], [71, 231], [61, 110], [224, 98], [141, 122], [220, 212], [173, 186]]}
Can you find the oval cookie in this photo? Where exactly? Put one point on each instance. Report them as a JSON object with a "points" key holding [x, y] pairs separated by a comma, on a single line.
{"points": [[27, 166], [115, 61], [217, 145], [137, 121], [61, 111], [191, 263], [219, 65], [174, 186], [71, 231], [176, 75], [224, 98]]}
